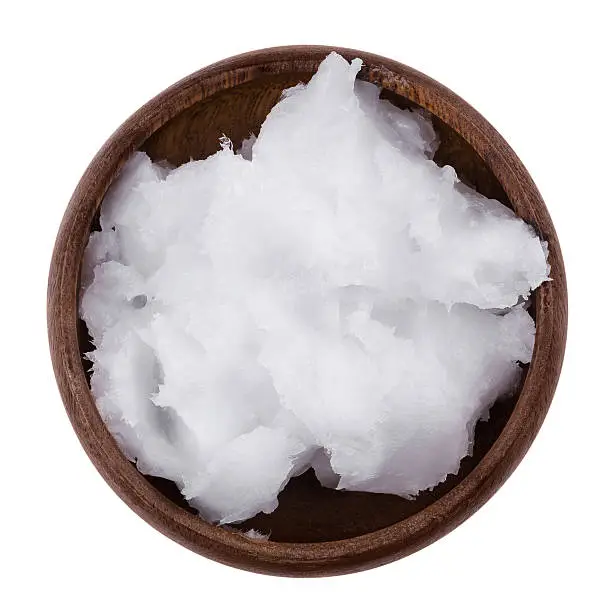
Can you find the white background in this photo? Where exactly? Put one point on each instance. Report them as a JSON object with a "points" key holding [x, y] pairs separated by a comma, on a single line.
{"points": [[72, 72]]}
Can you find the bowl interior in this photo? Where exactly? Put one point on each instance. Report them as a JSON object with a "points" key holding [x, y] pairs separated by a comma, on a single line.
{"points": [[308, 512]]}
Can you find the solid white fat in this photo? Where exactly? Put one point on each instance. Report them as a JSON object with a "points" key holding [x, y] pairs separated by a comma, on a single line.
{"points": [[327, 297]]}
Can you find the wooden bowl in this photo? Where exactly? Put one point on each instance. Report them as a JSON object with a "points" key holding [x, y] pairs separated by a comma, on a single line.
{"points": [[315, 531]]}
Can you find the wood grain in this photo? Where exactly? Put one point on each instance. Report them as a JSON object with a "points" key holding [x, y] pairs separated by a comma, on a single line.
{"points": [[315, 532]]}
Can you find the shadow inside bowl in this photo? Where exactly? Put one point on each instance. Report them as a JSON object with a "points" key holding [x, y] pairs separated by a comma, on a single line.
{"points": [[308, 512]]}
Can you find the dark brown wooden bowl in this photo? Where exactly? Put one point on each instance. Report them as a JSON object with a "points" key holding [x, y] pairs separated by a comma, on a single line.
{"points": [[315, 531]]}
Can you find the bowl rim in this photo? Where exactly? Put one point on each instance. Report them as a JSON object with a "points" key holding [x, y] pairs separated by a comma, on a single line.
{"points": [[339, 556]]}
